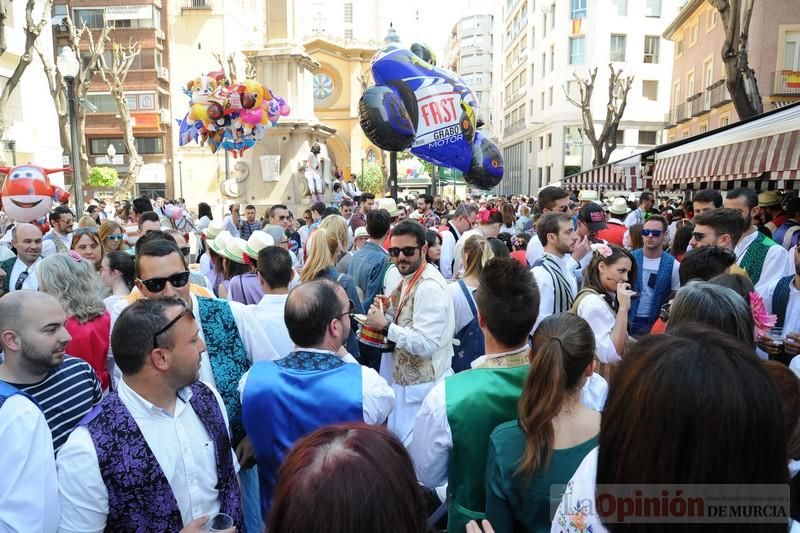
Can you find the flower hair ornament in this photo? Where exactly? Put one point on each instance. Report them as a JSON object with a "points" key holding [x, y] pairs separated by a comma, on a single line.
{"points": [[602, 249], [762, 320], [484, 214], [75, 256]]}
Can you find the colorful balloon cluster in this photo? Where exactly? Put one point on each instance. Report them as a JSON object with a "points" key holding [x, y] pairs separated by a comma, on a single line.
{"points": [[231, 116], [429, 110]]}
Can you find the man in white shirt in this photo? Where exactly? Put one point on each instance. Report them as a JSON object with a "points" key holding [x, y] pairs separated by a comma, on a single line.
{"points": [[421, 328], [762, 258], [782, 298], [28, 486], [274, 274], [59, 238], [463, 219], [316, 384], [156, 454], [554, 272], [233, 337], [21, 271], [637, 216]]}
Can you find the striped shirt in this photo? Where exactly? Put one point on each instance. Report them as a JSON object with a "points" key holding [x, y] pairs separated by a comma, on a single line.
{"points": [[68, 392]]}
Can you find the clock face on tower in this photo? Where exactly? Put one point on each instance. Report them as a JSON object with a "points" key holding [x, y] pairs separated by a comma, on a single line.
{"points": [[323, 88]]}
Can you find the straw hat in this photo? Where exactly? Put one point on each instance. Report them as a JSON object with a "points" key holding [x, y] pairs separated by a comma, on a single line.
{"points": [[234, 249], [767, 199], [258, 240], [588, 196], [213, 229], [217, 244], [390, 205], [619, 206], [360, 232]]}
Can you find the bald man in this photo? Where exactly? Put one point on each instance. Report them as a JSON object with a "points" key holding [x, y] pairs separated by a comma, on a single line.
{"points": [[21, 270], [33, 338], [317, 384]]}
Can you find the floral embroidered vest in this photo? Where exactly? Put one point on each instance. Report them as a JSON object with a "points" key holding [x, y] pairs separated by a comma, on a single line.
{"points": [[140, 498], [754, 257], [287, 399], [227, 355]]}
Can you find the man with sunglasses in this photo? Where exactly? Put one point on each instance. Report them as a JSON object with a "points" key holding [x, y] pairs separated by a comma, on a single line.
{"points": [[279, 215], [318, 383], [233, 337], [421, 327], [155, 455], [657, 276]]}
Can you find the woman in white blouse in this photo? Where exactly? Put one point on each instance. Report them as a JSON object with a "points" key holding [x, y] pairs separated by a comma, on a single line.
{"points": [[605, 299]]}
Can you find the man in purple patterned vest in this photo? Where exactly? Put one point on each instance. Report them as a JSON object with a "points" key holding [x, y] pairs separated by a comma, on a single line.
{"points": [[156, 454]]}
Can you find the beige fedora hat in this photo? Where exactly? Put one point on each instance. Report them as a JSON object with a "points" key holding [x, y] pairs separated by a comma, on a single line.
{"points": [[258, 240]]}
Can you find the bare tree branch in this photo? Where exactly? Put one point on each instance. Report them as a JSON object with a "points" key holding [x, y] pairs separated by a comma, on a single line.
{"points": [[3, 18]]}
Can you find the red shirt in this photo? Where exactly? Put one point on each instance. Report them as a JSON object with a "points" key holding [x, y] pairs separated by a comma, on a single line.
{"points": [[90, 342], [614, 233]]}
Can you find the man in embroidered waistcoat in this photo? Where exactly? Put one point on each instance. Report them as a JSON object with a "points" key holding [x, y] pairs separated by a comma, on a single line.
{"points": [[421, 329], [233, 338], [762, 258], [782, 298], [156, 454], [317, 384], [554, 272], [657, 276], [59, 238]]}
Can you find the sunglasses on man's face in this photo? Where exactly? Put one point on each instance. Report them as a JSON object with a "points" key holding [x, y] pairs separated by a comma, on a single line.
{"points": [[653, 232], [158, 284], [407, 251], [698, 236], [169, 325], [185, 250]]}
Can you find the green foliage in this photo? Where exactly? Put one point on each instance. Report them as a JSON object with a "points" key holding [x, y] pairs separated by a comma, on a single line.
{"points": [[102, 177], [372, 180]]}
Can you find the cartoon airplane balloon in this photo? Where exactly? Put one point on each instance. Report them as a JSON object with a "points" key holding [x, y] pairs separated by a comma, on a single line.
{"points": [[27, 194]]}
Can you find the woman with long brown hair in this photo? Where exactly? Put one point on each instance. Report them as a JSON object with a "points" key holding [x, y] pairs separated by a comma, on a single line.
{"points": [[554, 432], [112, 237]]}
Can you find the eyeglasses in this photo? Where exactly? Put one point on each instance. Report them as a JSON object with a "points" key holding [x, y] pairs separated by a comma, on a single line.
{"points": [[116, 237], [351, 309], [185, 250], [653, 232], [169, 325], [158, 284], [408, 251], [696, 235]]}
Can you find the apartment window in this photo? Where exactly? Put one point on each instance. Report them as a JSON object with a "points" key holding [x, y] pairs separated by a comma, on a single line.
{"points": [[572, 89], [711, 19], [533, 74], [690, 84], [104, 103], [693, 35], [348, 13], [544, 23], [60, 10], [541, 173], [679, 48], [147, 101], [552, 57], [703, 128], [93, 18], [619, 138], [650, 90], [791, 51], [544, 64], [549, 140], [541, 142], [547, 175], [573, 141], [553, 16], [542, 100], [617, 47], [578, 10], [647, 138], [576, 50], [686, 133], [100, 145], [724, 121], [651, 48], [133, 101], [150, 145], [652, 8], [550, 96], [530, 146], [621, 6]]}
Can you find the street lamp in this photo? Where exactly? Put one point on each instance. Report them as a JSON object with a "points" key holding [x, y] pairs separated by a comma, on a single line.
{"points": [[180, 172], [69, 67]]}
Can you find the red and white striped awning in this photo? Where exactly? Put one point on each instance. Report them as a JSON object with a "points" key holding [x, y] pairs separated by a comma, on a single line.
{"points": [[612, 176], [769, 145]]}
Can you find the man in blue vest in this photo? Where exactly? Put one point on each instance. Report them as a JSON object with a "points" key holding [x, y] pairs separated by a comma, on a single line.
{"points": [[657, 276], [317, 384], [782, 298]]}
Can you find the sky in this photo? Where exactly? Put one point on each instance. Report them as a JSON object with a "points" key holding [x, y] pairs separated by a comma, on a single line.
{"points": [[436, 19]]}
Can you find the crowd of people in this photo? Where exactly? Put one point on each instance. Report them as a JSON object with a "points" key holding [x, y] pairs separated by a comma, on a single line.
{"points": [[485, 364]]}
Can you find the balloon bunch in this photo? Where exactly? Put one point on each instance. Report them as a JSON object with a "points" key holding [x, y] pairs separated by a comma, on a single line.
{"points": [[231, 116], [429, 110]]}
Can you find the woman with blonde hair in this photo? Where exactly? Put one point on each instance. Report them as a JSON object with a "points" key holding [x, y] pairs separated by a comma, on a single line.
{"points": [[72, 280], [477, 251], [325, 247], [87, 243], [112, 237], [86, 221]]}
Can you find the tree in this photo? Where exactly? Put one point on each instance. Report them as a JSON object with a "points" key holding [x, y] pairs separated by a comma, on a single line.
{"points": [[618, 88], [90, 65], [114, 75], [32, 31], [372, 180], [102, 177], [740, 78]]}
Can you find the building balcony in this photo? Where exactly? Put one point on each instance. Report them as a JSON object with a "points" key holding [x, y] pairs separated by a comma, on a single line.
{"points": [[700, 103], [514, 127], [786, 83], [514, 97], [719, 94], [207, 5], [681, 113]]}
